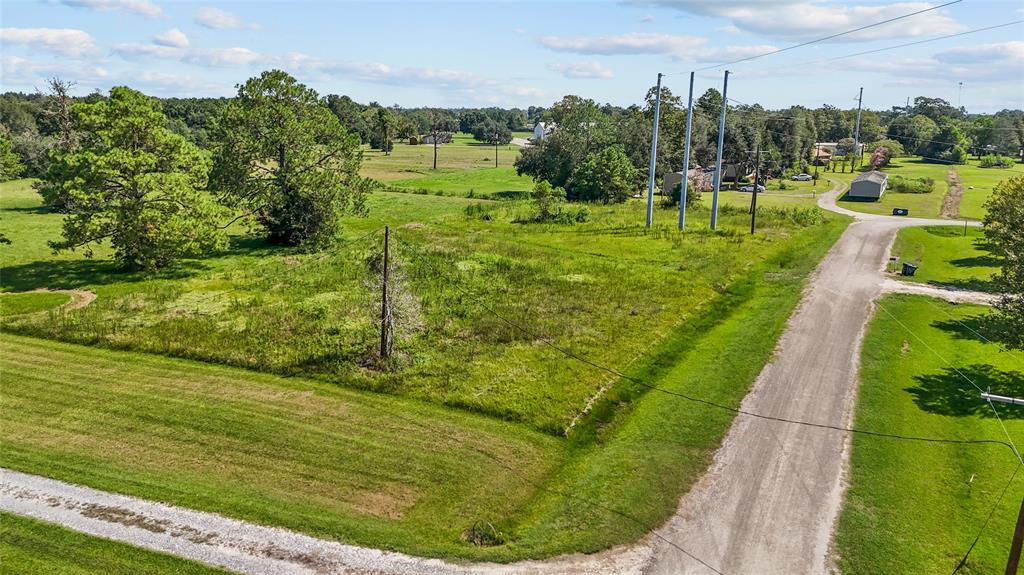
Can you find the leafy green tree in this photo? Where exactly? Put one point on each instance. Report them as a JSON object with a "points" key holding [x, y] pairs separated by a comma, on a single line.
{"points": [[350, 114], [284, 158], [547, 198], [1004, 228], [10, 164], [582, 128], [913, 131], [607, 176], [135, 183], [949, 145]]}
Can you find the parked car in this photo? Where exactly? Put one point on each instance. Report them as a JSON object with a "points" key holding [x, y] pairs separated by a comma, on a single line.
{"points": [[750, 188], [803, 177]]}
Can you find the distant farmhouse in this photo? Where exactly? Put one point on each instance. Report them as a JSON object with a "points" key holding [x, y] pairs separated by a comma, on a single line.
{"points": [[542, 130], [868, 186]]}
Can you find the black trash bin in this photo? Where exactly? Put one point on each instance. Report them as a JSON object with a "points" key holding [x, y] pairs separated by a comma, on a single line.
{"points": [[900, 211], [909, 269]]}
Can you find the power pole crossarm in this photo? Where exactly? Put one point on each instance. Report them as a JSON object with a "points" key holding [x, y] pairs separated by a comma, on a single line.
{"points": [[654, 154], [1002, 398]]}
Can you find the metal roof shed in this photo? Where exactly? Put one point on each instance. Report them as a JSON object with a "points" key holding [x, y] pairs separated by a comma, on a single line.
{"points": [[868, 186]]}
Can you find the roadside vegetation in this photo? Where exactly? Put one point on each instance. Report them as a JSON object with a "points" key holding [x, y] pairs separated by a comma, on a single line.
{"points": [[29, 547], [952, 256], [914, 507]]}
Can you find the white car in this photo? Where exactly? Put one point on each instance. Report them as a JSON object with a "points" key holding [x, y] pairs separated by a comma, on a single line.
{"points": [[750, 188], [803, 177]]}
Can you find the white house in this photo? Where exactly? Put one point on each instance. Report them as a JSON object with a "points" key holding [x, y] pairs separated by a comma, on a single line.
{"points": [[542, 130]]}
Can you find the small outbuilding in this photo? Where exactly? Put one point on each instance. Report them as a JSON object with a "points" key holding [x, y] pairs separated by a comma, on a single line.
{"points": [[868, 186]]}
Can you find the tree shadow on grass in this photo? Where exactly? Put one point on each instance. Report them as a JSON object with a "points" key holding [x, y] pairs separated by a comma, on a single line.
{"points": [[72, 274], [949, 393], [972, 284], [984, 327]]}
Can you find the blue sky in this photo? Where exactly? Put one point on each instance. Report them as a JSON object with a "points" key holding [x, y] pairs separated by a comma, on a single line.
{"points": [[520, 53]]}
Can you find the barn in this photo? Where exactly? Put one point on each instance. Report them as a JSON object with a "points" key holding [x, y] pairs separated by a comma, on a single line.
{"points": [[868, 186]]}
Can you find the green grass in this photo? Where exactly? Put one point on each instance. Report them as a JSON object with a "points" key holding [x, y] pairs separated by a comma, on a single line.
{"points": [[30, 547], [407, 162], [21, 303], [978, 185], [930, 205], [948, 257], [574, 285], [915, 507], [400, 468], [369, 469], [486, 182]]}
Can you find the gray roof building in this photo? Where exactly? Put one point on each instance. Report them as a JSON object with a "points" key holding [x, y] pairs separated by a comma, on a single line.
{"points": [[868, 186]]}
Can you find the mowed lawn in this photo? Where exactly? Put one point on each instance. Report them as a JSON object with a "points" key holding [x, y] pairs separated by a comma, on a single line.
{"points": [[366, 468], [916, 507], [977, 183], [947, 255], [30, 547]]}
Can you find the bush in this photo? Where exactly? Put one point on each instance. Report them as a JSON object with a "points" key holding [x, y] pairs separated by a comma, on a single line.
{"points": [[902, 185], [479, 212], [693, 191], [994, 161]]}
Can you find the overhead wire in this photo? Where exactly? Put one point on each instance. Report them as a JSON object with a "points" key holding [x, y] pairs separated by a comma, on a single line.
{"points": [[818, 40]]}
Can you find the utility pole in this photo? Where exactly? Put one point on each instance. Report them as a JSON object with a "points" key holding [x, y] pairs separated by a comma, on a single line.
{"points": [[385, 305], [856, 130], [1018, 538], [654, 154], [495, 149], [757, 180], [959, 92], [718, 158], [817, 154], [686, 159]]}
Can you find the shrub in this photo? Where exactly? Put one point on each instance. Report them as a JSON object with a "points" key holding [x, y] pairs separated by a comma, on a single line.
{"points": [[479, 212], [693, 191], [995, 161], [903, 185], [547, 198]]}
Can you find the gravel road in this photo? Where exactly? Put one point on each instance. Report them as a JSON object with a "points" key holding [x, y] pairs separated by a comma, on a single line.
{"points": [[768, 504]]}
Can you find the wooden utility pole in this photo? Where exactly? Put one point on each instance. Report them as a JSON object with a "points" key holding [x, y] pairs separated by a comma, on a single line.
{"points": [[495, 149], [385, 305], [1018, 538], [757, 179]]}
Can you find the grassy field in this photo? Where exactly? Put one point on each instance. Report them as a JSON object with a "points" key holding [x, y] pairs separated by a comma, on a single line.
{"points": [[315, 457], [30, 547], [977, 183], [21, 303], [914, 507], [399, 468], [947, 256], [453, 273]]}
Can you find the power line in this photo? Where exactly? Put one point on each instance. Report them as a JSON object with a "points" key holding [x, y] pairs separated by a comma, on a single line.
{"points": [[829, 37], [984, 525], [887, 48], [572, 355]]}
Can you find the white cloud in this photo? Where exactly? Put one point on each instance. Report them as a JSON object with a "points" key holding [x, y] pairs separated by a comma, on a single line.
{"points": [[221, 20], [174, 38], [66, 41], [519, 31], [1008, 53], [585, 69], [982, 63], [524, 92], [218, 57], [725, 53], [141, 7], [730, 29], [632, 43], [647, 19], [131, 51], [15, 71], [803, 19]]}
